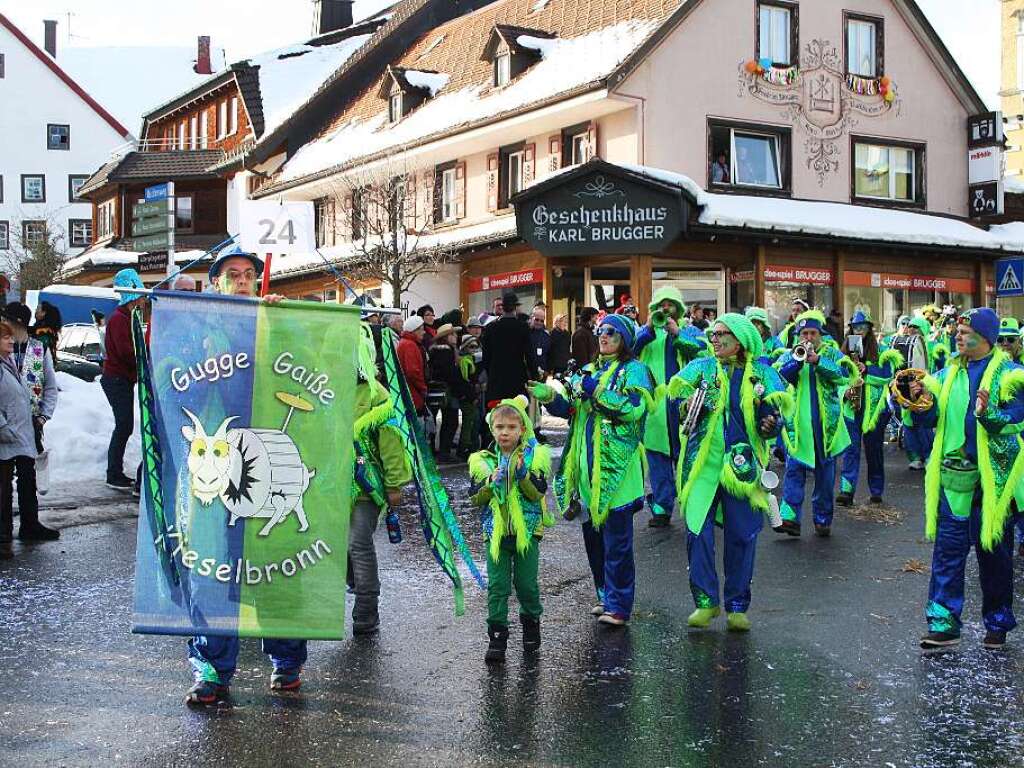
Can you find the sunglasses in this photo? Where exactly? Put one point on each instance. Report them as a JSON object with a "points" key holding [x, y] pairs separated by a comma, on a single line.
{"points": [[606, 330], [716, 335]]}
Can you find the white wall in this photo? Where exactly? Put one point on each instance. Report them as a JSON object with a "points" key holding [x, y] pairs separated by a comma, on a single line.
{"points": [[32, 96], [440, 290]]}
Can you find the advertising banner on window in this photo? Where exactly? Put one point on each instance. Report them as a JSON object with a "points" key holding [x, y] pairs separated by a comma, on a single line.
{"points": [[775, 273], [509, 280], [908, 282]]}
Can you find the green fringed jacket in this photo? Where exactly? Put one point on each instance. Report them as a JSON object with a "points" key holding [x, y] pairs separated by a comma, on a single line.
{"points": [[703, 465], [607, 404], [833, 372], [998, 441], [875, 391], [380, 460]]}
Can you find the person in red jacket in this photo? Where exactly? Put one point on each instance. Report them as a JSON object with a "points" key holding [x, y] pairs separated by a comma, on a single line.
{"points": [[119, 374], [413, 359]]}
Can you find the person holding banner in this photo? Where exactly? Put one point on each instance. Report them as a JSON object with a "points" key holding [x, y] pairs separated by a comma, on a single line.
{"points": [[601, 474], [976, 405], [213, 658], [730, 416]]}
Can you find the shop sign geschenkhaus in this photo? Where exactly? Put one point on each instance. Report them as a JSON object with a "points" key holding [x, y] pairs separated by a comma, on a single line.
{"points": [[598, 209]]}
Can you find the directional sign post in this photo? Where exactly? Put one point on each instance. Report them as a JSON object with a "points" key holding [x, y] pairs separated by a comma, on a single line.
{"points": [[1010, 277], [153, 227]]}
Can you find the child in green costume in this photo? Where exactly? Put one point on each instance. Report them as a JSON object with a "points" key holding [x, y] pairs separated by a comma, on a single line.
{"points": [[508, 483]]}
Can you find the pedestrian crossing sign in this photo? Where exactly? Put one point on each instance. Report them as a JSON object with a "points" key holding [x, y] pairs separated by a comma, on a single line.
{"points": [[1010, 277]]}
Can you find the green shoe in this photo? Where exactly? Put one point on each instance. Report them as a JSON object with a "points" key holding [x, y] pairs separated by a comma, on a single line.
{"points": [[737, 622], [702, 617]]}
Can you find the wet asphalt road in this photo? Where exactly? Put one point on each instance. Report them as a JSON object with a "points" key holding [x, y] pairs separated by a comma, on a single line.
{"points": [[830, 675]]}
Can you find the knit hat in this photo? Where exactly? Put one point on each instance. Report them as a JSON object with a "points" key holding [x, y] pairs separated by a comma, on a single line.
{"points": [[668, 293], [984, 322], [1009, 326], [623, 326], [230, 253], [519, 404], [744, 331], [128, 278], [16, 312], [921, 324], [758, 314], [412, 324], [904, 320], [812, 318], [860, 317], [469, 345]]}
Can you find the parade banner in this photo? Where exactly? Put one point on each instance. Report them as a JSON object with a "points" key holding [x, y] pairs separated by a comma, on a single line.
{"points": [[246, 413]]}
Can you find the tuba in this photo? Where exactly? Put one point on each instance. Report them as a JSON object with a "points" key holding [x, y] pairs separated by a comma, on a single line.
{"points": [[900, 388]]}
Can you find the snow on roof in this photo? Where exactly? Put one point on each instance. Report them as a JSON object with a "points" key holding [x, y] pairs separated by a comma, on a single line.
{"points": [[429, 81], [539, 5], [543, 45], [494, 228], [289, 76], [1013, 184], [115, 257], [145, 76], [88, 291], [568, 64], [855, 222]]}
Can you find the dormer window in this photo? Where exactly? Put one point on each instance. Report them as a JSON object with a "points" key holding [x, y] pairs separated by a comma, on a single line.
{"points": [[405, 89], [513, 50], [502, 69]]}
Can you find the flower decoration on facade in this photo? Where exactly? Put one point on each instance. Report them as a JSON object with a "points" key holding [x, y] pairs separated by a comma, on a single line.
{"points": [[872, 86], [781, 76]]}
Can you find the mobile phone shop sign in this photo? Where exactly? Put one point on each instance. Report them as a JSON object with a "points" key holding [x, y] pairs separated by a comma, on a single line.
{"points": [[600, 213]]}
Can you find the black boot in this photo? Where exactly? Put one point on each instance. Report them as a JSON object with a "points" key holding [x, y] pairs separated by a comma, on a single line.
{"points": [[844, 499], [531, 632], [497, 635]]}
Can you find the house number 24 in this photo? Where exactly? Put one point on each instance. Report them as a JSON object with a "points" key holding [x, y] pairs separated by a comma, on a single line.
{"points": [[284, 235]]}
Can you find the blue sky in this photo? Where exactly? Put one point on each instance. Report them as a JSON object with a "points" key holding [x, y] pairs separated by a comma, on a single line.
{"points": [[243, 28]]}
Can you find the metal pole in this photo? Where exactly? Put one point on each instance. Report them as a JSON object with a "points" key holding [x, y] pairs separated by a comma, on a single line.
{"points": [[366, 310], [171, 211]]}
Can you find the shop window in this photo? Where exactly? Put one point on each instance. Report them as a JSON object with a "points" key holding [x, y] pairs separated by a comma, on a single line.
{"points": [[510, 172], [75, 182], [33, 233], [5, 235], [887, 173], [749, 157], [778, 35], [80, 232], [33, 188], [864, 46], [183, 220]]}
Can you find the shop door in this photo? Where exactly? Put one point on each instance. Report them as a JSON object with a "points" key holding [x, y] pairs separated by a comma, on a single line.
{"points": [[698, 286], [606, 285]]}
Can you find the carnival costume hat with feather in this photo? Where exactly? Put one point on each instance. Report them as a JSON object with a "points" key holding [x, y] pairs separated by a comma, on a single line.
{"points": [[517, 505]]}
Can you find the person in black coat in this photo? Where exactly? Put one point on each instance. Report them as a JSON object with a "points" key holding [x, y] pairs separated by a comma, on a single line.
{"points": [[444, 366], [561, 346], [507, 357], [584, 342]]}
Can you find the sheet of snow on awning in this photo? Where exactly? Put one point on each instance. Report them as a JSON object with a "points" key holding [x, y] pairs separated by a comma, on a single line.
{"points": [[543, 45], [290, 76], [428, 81], [568, 64], [856, 222]]}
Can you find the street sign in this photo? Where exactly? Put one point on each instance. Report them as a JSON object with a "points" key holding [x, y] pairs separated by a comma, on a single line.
{"points": [[146, 210], [149, 226], [985, 129], [152, 242], [160, 191], [985, 199], [1010, 277], [153, 262], [278, 228]]}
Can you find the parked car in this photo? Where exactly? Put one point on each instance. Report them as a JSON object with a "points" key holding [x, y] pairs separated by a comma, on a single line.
{"points": [[80, 351]]}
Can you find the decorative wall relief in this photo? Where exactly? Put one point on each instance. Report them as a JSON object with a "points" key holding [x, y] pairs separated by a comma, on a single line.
{"points": [[820, 99]]}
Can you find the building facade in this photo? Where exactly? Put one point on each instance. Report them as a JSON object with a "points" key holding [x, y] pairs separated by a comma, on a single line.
{"points": [[54, 136], [1011, 88], [769, 108]]}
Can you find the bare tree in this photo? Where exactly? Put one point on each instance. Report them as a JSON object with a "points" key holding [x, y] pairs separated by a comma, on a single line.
{"points": [[389, 213], [37, 254]]}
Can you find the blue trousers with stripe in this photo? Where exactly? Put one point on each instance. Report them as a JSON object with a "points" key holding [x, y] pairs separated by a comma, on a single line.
{"points": [[740, 526]]}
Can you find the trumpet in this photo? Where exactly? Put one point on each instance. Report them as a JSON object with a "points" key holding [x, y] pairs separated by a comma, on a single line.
{"points": [[800, 352], [900, 388], [689, 423], [658, 318]]}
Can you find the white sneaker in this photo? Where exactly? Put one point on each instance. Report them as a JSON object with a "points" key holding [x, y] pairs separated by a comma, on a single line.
{"points": [[597, 610], [917, 464]]}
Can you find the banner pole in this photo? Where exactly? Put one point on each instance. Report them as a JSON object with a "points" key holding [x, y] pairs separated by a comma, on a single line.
{"points": [[265, 286]]}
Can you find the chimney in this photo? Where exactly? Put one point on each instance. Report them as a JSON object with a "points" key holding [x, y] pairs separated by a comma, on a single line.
{"points": [[50, 37], [203, 65], [329, 15]]}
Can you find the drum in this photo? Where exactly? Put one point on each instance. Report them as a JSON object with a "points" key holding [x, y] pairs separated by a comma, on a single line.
{"points": [[913, 350]]}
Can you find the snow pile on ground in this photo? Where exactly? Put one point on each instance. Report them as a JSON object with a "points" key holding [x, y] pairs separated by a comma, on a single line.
{"points": [[567, 64], [77, 436]]}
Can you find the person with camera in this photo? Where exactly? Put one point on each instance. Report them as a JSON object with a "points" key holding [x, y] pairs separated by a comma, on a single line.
{"points": [[866, 409], [817, 433], [664, 347], [976, 405], [731, 415]]}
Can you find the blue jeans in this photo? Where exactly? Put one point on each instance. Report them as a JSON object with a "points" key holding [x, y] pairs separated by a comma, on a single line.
{"points": [[953, 541], [822, 498], [121, 396], [741, 524], [214, 658]]}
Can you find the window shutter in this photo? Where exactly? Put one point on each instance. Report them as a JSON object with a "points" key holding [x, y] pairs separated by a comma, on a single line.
{"points": [[529, 163], [554, 152], [432, 195], [409, 203], [492, 181], [460, 191], [592, 140]]}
